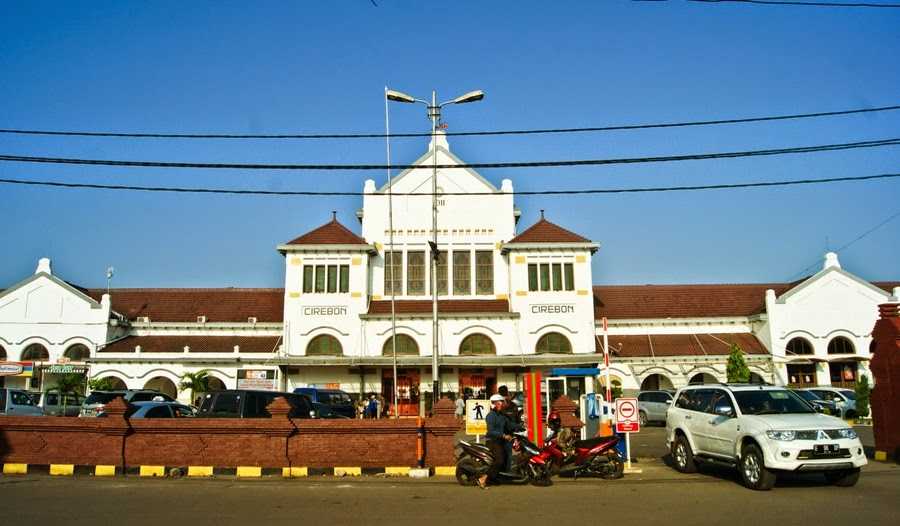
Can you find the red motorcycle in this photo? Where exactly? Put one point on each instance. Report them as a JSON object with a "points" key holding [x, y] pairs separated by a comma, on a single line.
{"points": [[530, 464], [596, 456]]}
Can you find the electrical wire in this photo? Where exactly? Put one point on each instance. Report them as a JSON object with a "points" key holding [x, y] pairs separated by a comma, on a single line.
{"points": [[798, 3], [594, 191], [626, 127], [512, 164]]}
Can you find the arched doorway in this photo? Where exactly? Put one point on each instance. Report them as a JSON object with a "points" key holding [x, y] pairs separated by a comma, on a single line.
{"points": [[215, 384], [802, 372], [110, 383], [2, 353], [163, 385], [703, 378], [35, 353], [657, 382], [77, 353], [841, 345]]}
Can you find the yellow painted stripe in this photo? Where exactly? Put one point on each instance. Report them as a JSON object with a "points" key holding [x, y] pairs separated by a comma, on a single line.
{"points": [[294, 294], [580, 259], [104, 471], [62, 469], [445, 471], [249, 471], [583, 292], [153, 471], [502, 297], [356, 294], [294, 472], [879, 455], [347, 472], [398, 470], [200, 471], [296, 262], [520, 259], [521, 293], [15, 469]]}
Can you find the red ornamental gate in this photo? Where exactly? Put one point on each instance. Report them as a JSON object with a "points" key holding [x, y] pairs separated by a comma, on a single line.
{"points": [[407, 390]]}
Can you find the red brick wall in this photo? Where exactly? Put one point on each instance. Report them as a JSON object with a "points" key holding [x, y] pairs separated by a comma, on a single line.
{"points": [[270, 442], [885, 367]]}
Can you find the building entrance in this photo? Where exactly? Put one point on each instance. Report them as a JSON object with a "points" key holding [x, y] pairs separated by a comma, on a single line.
{"points": [[478, 383], [407, 390]]}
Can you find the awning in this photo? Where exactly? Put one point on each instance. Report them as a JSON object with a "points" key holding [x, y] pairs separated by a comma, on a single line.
{"points": [[849, 359]]}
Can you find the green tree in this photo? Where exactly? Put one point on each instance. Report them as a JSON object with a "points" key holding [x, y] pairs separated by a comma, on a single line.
{"points": [[863, 392], [616, 389], [736, 368], [197, 382], [102, 384], [69, 383]]}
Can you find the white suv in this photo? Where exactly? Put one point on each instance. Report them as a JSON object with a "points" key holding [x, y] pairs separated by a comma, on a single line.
{"points": [[760, 429]]}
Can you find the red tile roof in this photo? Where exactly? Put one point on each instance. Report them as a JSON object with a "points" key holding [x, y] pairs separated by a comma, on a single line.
{"points": [[546, 232], [682, 301], [185, 305], [666, 345], [444, 306], [196, 344], [331, 233]]}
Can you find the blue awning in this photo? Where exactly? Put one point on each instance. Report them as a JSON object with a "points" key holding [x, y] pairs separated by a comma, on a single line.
{"points": [[575, 371]]}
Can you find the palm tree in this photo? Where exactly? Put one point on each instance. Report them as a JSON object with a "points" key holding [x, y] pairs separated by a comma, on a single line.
{"points": [[197, 382], [69, 383]]}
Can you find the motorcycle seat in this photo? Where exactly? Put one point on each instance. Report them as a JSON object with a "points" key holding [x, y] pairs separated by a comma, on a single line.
{"points": [[591, 443]]}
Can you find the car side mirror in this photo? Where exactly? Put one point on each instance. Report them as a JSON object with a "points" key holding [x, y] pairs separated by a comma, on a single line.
{"points": [[725, 410]]}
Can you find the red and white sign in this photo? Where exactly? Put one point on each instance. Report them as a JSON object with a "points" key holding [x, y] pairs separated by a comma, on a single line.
{"points": [[627, 415]]}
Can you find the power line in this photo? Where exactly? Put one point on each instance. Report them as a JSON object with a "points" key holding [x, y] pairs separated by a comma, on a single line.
{"points": [[512, 164], [798, 3], [852, 242], [594, 191], [626, 127]]}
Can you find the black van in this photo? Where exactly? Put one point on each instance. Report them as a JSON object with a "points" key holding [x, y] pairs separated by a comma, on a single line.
{"points": [[243, 403]]}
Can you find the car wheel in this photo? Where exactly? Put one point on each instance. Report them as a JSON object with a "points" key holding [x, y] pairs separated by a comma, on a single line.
{"points": [[843, 478], [643, 419], [753, 469], [682, 455]]}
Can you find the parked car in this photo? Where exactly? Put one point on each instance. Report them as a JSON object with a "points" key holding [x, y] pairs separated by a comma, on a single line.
{"points": [[95, 402], [823, 406], [157, 410], [329, 402], [652, 406], [761, 430], [16, 402], [844, 399], [243, 403], [55, 403]]}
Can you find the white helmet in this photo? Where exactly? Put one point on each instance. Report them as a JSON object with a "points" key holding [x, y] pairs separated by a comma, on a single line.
{"points": [[497, 398]]}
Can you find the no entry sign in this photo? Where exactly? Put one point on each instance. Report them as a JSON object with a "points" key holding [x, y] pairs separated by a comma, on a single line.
{"points": [[627, 415]]}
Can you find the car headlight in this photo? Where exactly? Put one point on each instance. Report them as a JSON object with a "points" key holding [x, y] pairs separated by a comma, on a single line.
{"points": [[847, 433], [784, 436]]}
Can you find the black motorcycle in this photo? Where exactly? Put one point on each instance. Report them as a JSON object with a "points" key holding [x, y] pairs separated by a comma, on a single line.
{"points": [[529, 463]]}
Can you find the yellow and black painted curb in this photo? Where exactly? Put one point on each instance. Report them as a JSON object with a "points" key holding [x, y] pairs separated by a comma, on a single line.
{"points": [[150, 471]]}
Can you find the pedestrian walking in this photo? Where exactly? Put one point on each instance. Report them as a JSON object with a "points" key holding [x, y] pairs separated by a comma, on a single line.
{"points": [[460, 407]]}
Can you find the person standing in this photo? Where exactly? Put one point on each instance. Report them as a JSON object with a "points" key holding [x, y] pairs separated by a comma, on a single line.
{"points": [[497, 437], [460, 407]]}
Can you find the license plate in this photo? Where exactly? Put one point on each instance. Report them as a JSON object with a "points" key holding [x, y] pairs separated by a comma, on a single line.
{"points": [[825, 449]]}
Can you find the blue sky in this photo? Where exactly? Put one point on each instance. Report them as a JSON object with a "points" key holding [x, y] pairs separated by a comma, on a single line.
{"points": [[289, 67]]}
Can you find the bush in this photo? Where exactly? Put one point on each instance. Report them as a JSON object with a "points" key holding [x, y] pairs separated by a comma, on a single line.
{"points": [[737, 369]]}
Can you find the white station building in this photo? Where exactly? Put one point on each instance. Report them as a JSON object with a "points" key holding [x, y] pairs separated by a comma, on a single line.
{"points": [[511, 300]]}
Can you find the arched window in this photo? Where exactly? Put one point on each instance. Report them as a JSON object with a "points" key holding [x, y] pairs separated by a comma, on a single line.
{"points": [[324, 345], [476, 344], [841, 345], [553, 343], [35, 353], [702, 378], [406, 346], [799, 346], [78, 353], [872, 346], [2, 353]]}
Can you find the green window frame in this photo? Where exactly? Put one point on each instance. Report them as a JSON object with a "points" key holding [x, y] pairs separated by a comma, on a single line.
{"points": [[441, 274], [545, 276], [553, 343], [557, 276], [462, 272], [393, 260], [484, 272], [324, 345], [332, 278], [532, 277], [320, 278], [406, 346], [308, 271], [570, 276], [476, 345], [345, 278], [415, 273]]}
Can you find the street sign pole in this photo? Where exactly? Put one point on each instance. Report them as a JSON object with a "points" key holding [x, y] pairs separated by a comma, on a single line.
{"points": [[606, 360]]}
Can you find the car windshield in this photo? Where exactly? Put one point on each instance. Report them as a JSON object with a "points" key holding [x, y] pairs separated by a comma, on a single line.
{"points": [[100, 398], [770, 402], [806, 395], [849, 394]]}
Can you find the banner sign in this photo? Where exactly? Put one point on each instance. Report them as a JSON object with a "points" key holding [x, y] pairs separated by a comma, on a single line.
{"points": [[67, 369], [24, 369], [260, 379]]}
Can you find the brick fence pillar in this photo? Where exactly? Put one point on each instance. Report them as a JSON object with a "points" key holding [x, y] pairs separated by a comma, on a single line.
{"points": [[885, 367]]}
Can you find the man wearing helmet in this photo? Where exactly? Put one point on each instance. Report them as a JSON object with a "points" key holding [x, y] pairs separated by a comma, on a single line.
{"points": [[497, 437]]}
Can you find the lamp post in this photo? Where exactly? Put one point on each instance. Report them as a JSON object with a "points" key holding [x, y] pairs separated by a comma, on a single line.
{"points": [[434, 112]]}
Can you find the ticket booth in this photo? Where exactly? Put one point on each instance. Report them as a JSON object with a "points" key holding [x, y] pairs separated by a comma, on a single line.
{"points": [[572, 382]]}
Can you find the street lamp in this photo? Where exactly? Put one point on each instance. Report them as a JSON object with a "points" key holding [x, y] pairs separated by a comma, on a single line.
{"points": [[434, 112]]}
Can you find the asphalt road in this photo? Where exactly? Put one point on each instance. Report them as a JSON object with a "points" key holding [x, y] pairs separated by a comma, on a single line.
{"points": [[658, 496]]}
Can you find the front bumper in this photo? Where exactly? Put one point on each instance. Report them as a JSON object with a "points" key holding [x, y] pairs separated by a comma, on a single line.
{"points": [[800, 455]]}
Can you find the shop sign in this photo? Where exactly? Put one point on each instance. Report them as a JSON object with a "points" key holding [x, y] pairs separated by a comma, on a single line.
{"points": [[24, 369], [260, 379], [553, 308], [325, 310], [67, 369]]}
